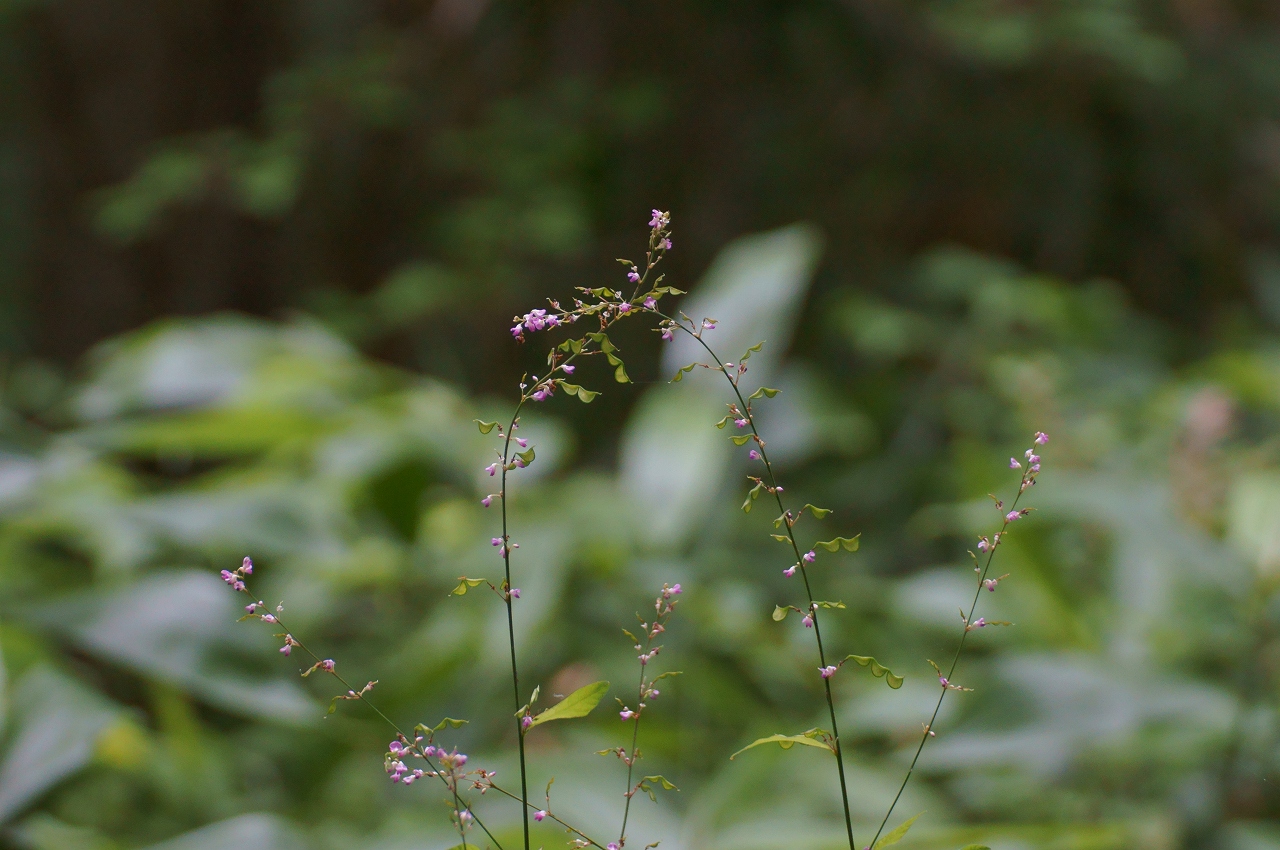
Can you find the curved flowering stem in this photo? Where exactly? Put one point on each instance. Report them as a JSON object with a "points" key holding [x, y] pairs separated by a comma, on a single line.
{"points": [[1030, 470], [663, 607], [744, 417], [326, 665], [609, 307]]}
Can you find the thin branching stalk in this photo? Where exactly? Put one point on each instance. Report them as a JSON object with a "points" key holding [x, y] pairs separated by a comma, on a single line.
{"points": [[1029, 472]]}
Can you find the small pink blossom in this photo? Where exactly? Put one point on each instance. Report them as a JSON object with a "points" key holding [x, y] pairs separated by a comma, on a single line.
{"points": [[247, 566], [810, 556], [789, 571], [526, 722], [650, 303], [665, 244], [626, 713], [1041, 438], [740, 423], [268, 618], [1013, 463], [487, 501], [624, 307], [539, 395], [539, 815], [492, 469], [634, 275], [497, 541], [708, 324], [808, 621], [524, 444], [668, 334], [983, 544], [753, 454], [828, 671], [569, 368], [515, 593], [1012, 516]]}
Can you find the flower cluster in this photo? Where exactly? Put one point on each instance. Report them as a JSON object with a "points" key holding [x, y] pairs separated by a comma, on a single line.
{"points": [[236, 579]]}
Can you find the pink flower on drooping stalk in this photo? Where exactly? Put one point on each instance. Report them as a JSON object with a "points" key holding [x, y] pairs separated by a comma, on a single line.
{"points": [[539, 395], [524, 444], [526, 722], [624, 307], [1032, 457], [708, 324], [1013, 463], [650, 303], [286, 649], [808, 621], [978, 623], [487, 501], [268, 618], [492, 469], [515, 593], [665, 244], [789, 571], [497, 541], [517, 332], [983, 544], [612, 845], [753, 454], [1013, 516], [810, 556], [668, 334], [539, 815], [659, 220], [740, 423], [1041, 438], [626, 713], [252, 606], [828, 671], [634, 275], [568, 368], [327, 665], [247, 566]]}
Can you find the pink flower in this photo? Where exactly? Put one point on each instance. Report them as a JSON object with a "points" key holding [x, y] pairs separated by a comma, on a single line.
{"points": [[650, 303], [539, 815], [740, 423], [1041, 438], [634, 275], [568, 368], [286, 649], [526, 722], [1013, 463], [247, 566], [487, 501], [990, 583], [268, 618], [612, 845], [983, 544], [626, 713], [753, 454], [827, 672], [540, 395], [659, 219], [492, 469], [789, 571], [497, 541], [524, 444], [708, 324], [668, 334], [978, 623], [251, 607], [395, 747], [808, 621], [1012, 516], [665, 244], [810, 556], [518, 332], [327, 665], [515, 593], [675, 588], [624, 307]]}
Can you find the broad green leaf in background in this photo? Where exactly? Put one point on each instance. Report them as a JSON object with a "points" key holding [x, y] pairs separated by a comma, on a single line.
{"points": [[895, 835], [784, 741], [671, 459]]}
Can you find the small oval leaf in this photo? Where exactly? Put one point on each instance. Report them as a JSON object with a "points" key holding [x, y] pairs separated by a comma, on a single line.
{"points": [[577, 704], [896, 835]]}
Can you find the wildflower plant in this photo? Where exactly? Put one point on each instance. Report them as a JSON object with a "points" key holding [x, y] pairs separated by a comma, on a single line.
{"points": [[421, 754], [417, 755]]}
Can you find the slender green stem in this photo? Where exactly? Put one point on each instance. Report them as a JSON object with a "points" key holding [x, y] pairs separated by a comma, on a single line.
{"points": [[552, 815], [788, 520], [511, 624], [631, 758], [955, 660]]}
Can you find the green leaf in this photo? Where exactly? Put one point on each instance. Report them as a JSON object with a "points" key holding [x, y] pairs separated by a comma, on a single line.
{"points": [[577, 704], [723, 422], [584, 395], [527, 455], [818, 513], [780, 520], [780, 612], [667, 675], [745, 357], [485, 427], [646, 785], [464, 584], [769, 391], [894, 836], [571, 345], [829, 604], [449, 721], [683, 369], [620, 374], [878, 670], [607, 346], [740, 439], [784, 741], [752, 495], [781, 538], [850, 544]]}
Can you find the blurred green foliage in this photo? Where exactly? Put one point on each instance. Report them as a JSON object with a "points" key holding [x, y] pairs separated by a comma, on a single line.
{"points": [[1039, 215]]}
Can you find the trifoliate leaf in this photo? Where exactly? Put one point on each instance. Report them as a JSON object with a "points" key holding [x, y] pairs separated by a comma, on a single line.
{"points": [[896, 835], [769, 391], [850, 544], [878, 670], [784, 741], [577, 704], [485, 427]]}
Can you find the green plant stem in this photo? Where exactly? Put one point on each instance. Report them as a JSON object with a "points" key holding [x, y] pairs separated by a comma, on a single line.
{"points": [[631, 759], [813, 611], [550, 814], [511, 624], [924, 737]]}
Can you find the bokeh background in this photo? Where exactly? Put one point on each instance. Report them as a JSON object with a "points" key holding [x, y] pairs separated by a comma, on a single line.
{"points": [[257, 265]]}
